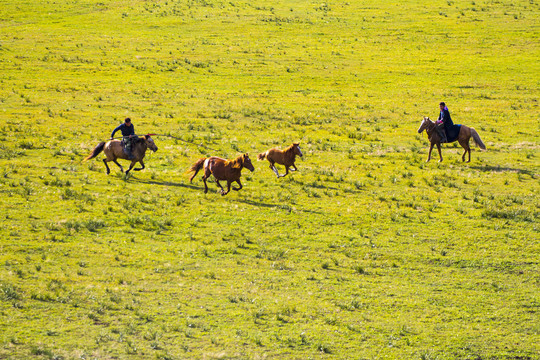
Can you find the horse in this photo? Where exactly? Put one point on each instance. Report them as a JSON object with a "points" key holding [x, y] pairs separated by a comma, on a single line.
{"points": [[222, 169], [284, 157], [465, 134], [114, 149]]}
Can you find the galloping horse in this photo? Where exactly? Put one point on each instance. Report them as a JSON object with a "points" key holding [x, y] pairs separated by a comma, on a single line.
{"points": [[465, 134], [114, 149], [222, 169], [284, 157]]}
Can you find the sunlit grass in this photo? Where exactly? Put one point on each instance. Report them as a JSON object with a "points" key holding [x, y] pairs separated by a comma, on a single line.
{"points": [[366, 252]]}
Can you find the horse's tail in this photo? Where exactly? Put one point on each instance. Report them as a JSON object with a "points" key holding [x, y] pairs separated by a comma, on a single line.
{"points": [[96, 151], [477, 139], [196, 167], [261, 156]]}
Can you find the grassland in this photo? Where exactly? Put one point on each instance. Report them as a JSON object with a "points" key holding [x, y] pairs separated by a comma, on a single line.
{"points": [[367, 252]]}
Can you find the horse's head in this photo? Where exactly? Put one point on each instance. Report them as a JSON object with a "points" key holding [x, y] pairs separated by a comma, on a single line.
{"points": [[150, 143], [246, 162], [423, 126], [297, 150]]}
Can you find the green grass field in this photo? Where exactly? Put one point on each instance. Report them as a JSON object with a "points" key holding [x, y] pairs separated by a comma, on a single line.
{"points": [[368, 252]]}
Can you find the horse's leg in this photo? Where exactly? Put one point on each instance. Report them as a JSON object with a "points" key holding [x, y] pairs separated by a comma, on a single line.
{"points": [[468, 147], [107, 166], [429, 153], [273, 168], [110, 156], [205, 185], [223, 192], [206, 175], [294, 166], [118, 164], [465, 145], [239, 183], [286, 171], [439, 148], [131, 166], [142, 164], [221, 187]]}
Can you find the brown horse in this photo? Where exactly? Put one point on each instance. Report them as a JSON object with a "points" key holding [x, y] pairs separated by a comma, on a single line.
{"points": [[465, 134], [222, 169], [284, 157], [114, 149]]}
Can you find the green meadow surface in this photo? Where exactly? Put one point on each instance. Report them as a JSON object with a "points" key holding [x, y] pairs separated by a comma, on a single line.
{"points": [[368, 252]]}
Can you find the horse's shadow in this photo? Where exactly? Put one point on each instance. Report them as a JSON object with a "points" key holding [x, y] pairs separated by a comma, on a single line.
{"points": [[273, 206], [165, 183], [500, 169]]}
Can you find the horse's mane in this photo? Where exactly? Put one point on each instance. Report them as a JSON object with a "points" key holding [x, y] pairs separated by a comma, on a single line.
{"points": [[290, 149], [236, 163]]}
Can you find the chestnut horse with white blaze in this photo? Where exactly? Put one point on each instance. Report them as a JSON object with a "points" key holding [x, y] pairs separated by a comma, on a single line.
{"points": [[283, 157], [222, 169], [114, 149], [465, 134]]}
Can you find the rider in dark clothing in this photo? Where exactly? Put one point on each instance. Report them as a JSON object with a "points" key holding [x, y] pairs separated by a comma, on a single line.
{"points": [[444, 118], [128, 133], [450, 132]]}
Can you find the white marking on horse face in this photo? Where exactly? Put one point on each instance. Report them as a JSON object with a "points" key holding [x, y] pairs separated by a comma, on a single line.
{"points": [[152, 144], [300, 151], [421, 128]]}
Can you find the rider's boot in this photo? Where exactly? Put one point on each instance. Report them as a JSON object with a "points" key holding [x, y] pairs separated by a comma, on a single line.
{"points": [[442, 134], [128, 152]]}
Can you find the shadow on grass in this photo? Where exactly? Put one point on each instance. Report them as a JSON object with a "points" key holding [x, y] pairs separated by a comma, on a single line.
{"points": [[489, 168], [165, 183], [278, 206]]}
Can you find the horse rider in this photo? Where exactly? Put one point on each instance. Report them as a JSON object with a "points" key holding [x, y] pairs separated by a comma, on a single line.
{"points": [[444, 122], [128, 136]]}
